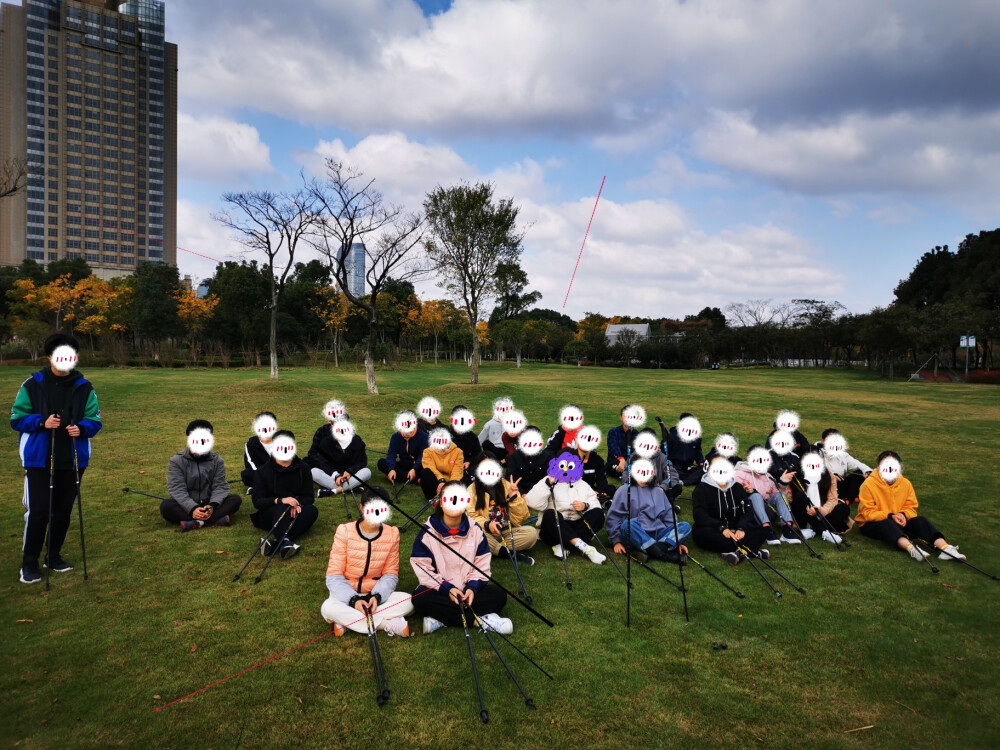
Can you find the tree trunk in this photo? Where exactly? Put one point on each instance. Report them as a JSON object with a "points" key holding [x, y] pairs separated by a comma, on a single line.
{"points": [[474, 380], [370, 356], [435, 347], [274, 330], [336, 351]]}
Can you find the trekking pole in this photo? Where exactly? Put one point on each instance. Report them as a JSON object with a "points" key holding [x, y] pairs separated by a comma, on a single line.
{"points": [[521, 590], [610, 556], [926, 559], [146, 494], [749, 556], [528, 658], [562, 548], [343, 492], [260, 544], [277, 546], [52, 489], [781, 575], [79, 509], [410, 520], [484, 715], [653, 570], [797, 531], [680, 563], [486, 631], [353, 497], [381, 684], [739, 594], [964, 562]]}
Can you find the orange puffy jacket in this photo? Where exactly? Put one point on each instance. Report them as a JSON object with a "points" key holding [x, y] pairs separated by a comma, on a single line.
{"points": [[363, 561]]}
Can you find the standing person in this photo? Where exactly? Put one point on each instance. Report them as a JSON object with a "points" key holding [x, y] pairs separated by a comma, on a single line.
{"points": [[257, 450], [620, 438], [491, 436], [363, 572], [650, 526], [283, 484], [199, 494], [338, 459], [500, 511], [888, 511], [564, 503], [723, 516], [530, 461], [56, 413], [404, 459], [683, 446], [447, 581], [564, 436], [442, 461], [428, 411]]}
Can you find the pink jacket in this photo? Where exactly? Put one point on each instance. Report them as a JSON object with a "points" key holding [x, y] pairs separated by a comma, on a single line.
{"points": [[762, 483], [437, 568]]}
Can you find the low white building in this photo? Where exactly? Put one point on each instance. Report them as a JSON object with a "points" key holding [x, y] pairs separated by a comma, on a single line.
{"points": [[612, 332]]}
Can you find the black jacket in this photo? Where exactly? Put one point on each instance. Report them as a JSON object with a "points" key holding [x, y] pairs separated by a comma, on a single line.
{"points": [[593, 474], [681, 454], [255, 455], [327, 455], [273, 481], [470, 446], [529, 469], [713, 508], [781, 464]]}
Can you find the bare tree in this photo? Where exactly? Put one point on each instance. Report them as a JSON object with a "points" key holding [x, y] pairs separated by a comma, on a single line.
{"points": [[760, 312], [472, 237], [273, 225], [13, 176], [350, 210]]}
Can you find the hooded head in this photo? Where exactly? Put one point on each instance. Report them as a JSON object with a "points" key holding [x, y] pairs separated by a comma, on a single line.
{"points": [[283, 446], [834, 443], [489, 472], [781, 442], [889, 467], [62, 351], [514, 423], [455, 499], [200, 437], [588, 438], [726, 445], [462, 420], [688, 428], [787, 420], [571, 418], [643, 471], [759, 459], [334, 410], [440, 439], [265, 425], [645, 444], [633, 416], [343, 432], [530, 442], [566, 467], [429, 408], [812, 467], [406, 423], [502, 407], [375, 508], [721, 473]]}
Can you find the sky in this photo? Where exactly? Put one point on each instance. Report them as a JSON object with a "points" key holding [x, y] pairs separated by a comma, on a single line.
{"points": [[749, 149]]}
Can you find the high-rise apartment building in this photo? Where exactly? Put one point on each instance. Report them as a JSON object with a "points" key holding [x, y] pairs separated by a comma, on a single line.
{"points": [[88, 96], [355, 267]]}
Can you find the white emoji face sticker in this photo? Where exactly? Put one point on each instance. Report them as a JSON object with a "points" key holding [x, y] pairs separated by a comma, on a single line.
{"points": [[689, 429], [200, 442], [514, 423], [334, 410], [721, 472], [429, 408], [343, 432], [489, 472], [645, 444], [64, 358], [502, 407], [455, 499], [642, 471], [759, 460], [781, 442], [530, 442], [571, 418], [890, 470], [376, 512], [812, 467], [265, 426], [462, 421], [406, 422], [634, 416], [834, 443], [726, 445], [787, 420], [588, 438], [440, 439], [283, 448]]}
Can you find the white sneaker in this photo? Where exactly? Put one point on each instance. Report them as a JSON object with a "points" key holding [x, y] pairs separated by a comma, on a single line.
{"points": [[950, 552], [496, 623], [807, 533], [397, 626], [917, 554], [832, 538], [593, 555], [558, 551], [430, 625]]}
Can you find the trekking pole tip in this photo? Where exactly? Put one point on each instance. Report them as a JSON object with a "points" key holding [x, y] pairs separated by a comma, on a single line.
{"points": [[529, 703], [484, 716]]}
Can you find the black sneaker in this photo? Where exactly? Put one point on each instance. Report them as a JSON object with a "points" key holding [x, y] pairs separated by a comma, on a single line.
{"points": [[503, 554], [788, 535], [30, 572], [732, 558], [763, 554], [674, 557], [58, 565], [267, 546], [325, 492], [772, 535], [224, 521], [189, 525], [289, 550], [657, 551], [524, 559]]}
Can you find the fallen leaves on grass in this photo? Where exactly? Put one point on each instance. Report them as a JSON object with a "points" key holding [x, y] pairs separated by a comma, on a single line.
{"points": [[859, 729], [194, 647], [25, 620], [156, 698], [220, 552]]}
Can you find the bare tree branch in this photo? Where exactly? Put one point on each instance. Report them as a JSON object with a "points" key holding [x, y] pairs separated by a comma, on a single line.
{"points": [[13, 176]]}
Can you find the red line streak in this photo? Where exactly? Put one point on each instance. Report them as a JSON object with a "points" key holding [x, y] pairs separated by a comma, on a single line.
{"points": [[584, 241], [276, 656], [144, 236]]}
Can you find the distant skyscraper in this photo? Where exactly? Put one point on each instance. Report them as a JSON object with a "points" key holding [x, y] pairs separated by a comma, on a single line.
{"points": [[355, 266], [88, 95]]}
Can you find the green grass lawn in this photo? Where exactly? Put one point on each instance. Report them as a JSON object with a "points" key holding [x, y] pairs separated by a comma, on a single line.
{"points": [[878, 642]]}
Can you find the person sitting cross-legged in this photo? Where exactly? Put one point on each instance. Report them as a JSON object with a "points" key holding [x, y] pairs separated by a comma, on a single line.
{"points": [[283, 496], [642, 517], [199, 494], [404, 459], [501, 511]]}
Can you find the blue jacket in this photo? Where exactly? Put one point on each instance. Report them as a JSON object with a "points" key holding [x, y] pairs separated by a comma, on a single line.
{"points": [[29, 412]]}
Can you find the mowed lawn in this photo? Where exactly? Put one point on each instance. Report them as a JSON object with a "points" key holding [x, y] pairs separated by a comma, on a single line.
{"points": [[878, 644]]}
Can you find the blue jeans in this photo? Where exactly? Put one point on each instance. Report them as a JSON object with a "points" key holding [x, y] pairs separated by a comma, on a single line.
{"points": [[639, 538], [776, 501]]}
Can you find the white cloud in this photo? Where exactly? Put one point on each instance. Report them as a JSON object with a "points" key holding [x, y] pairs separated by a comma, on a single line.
{"points": [[202, 242], [217, 149]]}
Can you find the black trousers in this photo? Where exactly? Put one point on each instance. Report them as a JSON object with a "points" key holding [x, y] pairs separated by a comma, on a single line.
{"points": [[172, 511], [570, 529], [433, 603], [713, 540], [36, 503], [403, 467], [849, 487], [837, 518], [266, 518], [890, 532], [429, 483], [692, 475]]}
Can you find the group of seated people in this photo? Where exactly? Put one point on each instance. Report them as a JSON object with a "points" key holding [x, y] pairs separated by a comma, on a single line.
{"points": [[486, 491]]}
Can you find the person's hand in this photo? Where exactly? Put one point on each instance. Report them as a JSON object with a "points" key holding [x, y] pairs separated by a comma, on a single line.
{"points": [[73, 430], [738, 536], [53, 422], [621, 465], [867, 474], [391, 476], [619, 548], [683, 549], [456, 596], [440, 487], [494, 528], [515, 483], [787, 476], [811, 510], [899, 518], [748, 486], [293, 504], [465, 465], [579, 506], [202, 513], [411, 475], [468, 596], [728, 534]]}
